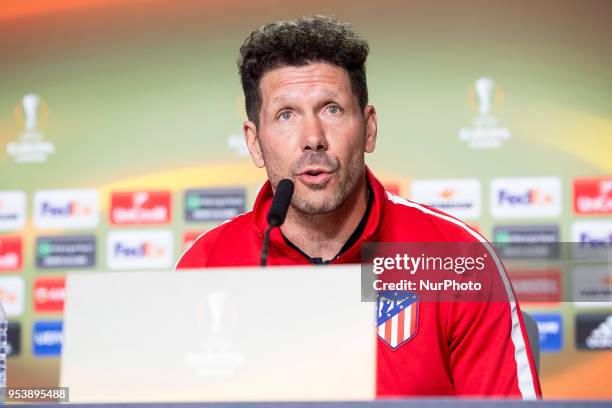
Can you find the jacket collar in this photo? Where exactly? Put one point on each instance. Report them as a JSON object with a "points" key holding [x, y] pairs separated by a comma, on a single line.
{"points": [[277, 243]]}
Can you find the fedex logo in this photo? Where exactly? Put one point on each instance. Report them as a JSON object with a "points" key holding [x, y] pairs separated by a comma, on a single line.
{"points": [[141, 207], [71, 208], [592, 239], [586, 238], [594, 233], [66, 209], [139, 249], [526, 197], [593, 196], [10, 254], [530, 197], [142, 250], [49, 294], [12, 210]]}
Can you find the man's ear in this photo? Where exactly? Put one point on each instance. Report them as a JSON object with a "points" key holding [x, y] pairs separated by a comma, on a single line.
{"points": [[371, 125], [252, 141]]}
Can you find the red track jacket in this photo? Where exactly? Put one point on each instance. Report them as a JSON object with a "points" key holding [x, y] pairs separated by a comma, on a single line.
{"points": [[460, 348]]}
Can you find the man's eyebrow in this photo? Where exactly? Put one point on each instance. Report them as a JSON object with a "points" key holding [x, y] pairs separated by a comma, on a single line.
{"points": [[328, 93], [280, 98], [331, 94]]}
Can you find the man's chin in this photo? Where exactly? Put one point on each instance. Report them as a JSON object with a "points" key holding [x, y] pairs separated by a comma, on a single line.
{"points": [[314, 206]]}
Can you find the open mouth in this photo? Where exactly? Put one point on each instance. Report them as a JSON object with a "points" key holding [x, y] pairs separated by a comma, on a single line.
{"points": [[315, 177], [315, 171]]}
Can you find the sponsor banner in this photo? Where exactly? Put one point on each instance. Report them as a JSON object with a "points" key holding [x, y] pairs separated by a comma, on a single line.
{"points": [[527, 241], [12, 295], [537, 286], [593, 195], [49, 294], [140, 207], [594, 331], [214, 204], [12, 210], [65, 209], [47, 338], [458, 197], [592, 240], [13, 339], [11, 254], [526, 197], [550, 327], [190, 237], [66, 252], [146, 249], [592, 285]]}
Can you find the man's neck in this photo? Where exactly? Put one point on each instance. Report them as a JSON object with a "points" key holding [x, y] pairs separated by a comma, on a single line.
{"points": [[323, 235]]}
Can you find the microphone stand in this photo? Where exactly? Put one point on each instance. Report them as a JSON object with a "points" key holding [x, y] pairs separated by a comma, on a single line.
{"points": [[276, 214]]}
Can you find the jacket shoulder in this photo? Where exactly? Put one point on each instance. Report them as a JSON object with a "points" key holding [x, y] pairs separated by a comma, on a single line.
{"points": [[198, 254], [429, 222]]}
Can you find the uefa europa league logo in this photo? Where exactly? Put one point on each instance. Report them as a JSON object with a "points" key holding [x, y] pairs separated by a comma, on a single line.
{"points": [[31, 109], [484, 93], [485, 133], [485, 96], [30, 114], [216, 356], [216, 305]]}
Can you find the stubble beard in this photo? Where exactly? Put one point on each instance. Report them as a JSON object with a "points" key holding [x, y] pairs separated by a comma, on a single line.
{"points": [[326, 203], [347, 180]]}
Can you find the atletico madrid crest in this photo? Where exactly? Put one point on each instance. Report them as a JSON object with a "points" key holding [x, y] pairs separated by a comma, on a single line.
{"points": [[397, 317]]}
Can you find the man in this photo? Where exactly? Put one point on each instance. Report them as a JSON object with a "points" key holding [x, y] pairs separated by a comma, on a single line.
{"points": [[309, 121]]}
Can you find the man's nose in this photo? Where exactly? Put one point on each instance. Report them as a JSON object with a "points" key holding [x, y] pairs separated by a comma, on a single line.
{"points": [[313, 134]]}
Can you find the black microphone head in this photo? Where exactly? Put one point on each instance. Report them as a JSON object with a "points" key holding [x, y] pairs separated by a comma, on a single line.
{"points": [[280, 203]]}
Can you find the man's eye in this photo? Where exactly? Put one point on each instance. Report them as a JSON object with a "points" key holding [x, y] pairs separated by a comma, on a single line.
{"points": [[284, 115], [333, 109]]}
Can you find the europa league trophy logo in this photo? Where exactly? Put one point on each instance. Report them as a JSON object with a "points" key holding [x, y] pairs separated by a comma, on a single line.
{"points": [[485, 132], [30, 148], [484, 93], [216, 305], [31, 110], [216, 355]]}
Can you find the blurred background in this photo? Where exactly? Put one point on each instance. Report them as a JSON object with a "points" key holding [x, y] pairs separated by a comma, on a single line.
{"points": [[120, 126]]}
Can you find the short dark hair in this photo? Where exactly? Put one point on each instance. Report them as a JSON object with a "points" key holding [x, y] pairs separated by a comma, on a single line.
{"points": [[300, 42]]}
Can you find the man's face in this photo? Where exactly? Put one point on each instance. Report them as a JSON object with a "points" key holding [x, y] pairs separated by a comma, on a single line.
{"points": [[312, 131]]}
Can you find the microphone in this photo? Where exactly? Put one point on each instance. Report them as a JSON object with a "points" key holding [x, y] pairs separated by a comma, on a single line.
{"points": [[277, 214], [280, 203]]}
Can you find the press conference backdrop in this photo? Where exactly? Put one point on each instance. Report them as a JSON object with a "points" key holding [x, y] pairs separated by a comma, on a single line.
{"points": [[120, 135]]}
